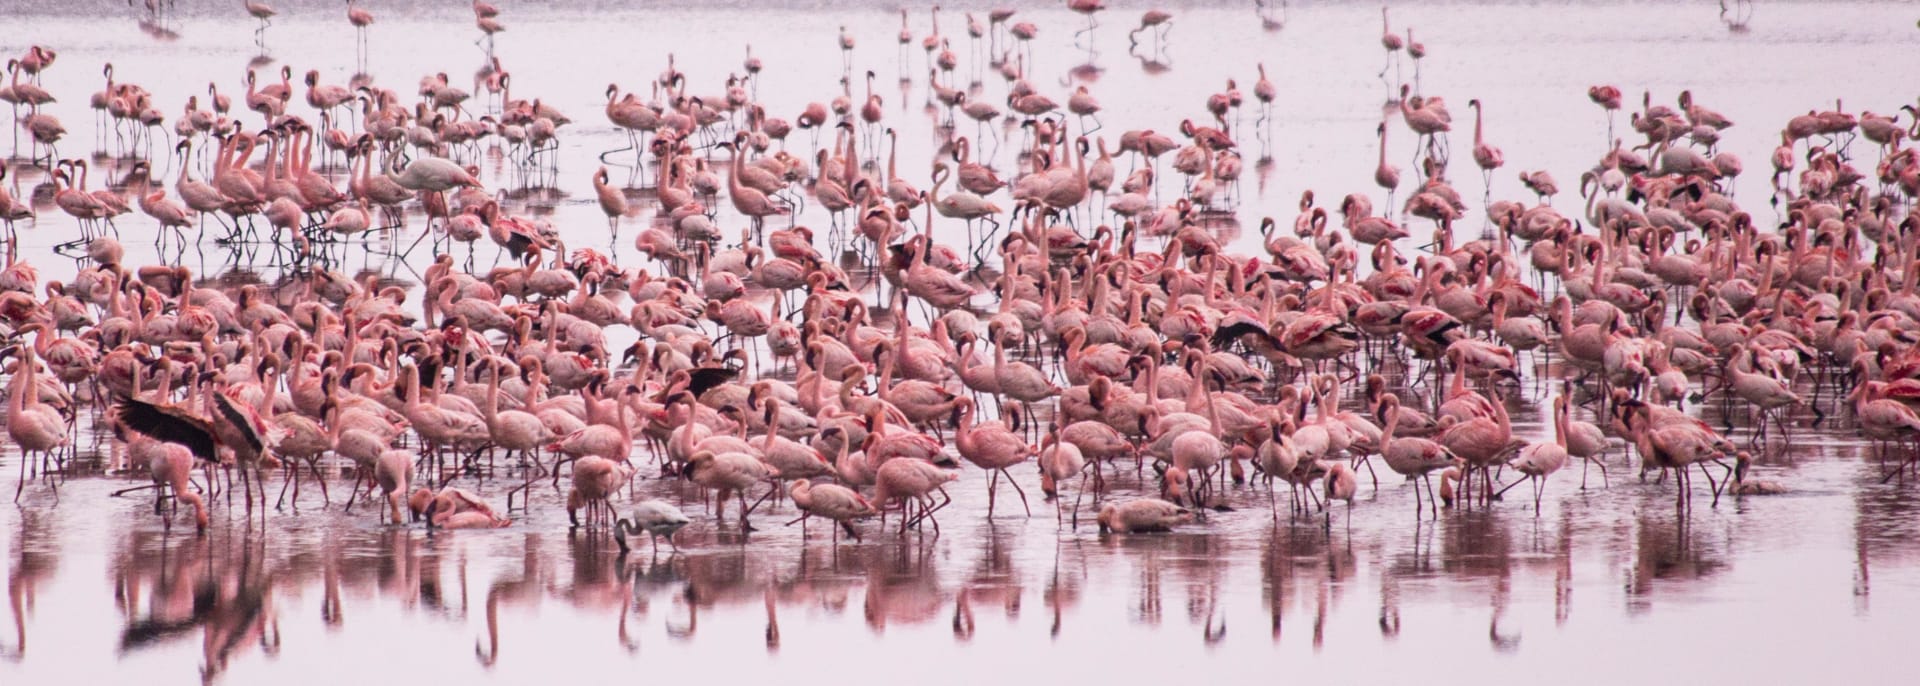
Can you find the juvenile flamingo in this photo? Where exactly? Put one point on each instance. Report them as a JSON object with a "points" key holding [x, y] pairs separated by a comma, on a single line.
{"points": [[658, 518]]}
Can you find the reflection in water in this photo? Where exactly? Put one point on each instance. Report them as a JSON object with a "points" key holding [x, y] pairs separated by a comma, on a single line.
{"points": [[512, 589], [1666, 550], [1272, 13], [1389, 606], [1736, 15], [901, 588], [31, 561], [226, 597], [233, 590], [1563, 571]]}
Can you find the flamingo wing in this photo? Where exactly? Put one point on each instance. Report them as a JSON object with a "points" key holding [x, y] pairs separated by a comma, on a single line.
{"points": [[168, 424], [702, 379], [1226, 335]]}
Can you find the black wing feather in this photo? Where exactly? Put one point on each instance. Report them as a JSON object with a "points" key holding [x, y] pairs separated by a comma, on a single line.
{"points": [[1226, 335], [705, 378], [244, 426], [168, 424], [1441, 335]]}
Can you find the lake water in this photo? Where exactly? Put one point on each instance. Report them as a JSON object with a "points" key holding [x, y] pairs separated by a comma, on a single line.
{"points": [[1606, 585]]}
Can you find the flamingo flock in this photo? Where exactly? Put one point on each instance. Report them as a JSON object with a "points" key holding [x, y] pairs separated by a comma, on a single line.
{"points": [[1089, 341]]}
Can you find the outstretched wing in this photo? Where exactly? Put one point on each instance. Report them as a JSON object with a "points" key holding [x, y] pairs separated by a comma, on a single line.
{"points": [[168, 424], [705, 378], [1226, 335], [242, 421]]}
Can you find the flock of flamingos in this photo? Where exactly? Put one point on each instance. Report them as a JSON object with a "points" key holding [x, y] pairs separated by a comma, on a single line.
{"points": [[1093, 328]]}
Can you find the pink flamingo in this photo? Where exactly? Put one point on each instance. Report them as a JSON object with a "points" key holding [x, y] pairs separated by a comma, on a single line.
{"points": [[1411, 456], [1143, 515], [729, 473], [34, 426], [1540, 459], [993, 447], [912, 481], [838, 503]]}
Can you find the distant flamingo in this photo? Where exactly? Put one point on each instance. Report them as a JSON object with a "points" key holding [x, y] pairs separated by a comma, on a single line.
{"points": [[1386, 175], [612, 202], [1608, 98], [360, 18], [1392, 42], [262, 12], [1485, 155]]}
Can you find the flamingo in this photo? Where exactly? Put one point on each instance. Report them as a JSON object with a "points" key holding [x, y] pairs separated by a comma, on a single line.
{"points": [[1340, 483], [1386, 175], [1392, 42], [34, 426], [360, 19], [834, 502], [1143, 515], [1538, 460], [1485, 155], [1411, 456], [261, 12], [455, 508], [728, 473], [172, 469], [1584, 439], [394, 472], [912, 481], [594, 481], [658, 518], [612, 202], [1608, 98], [1155, 20], [990, 446]]}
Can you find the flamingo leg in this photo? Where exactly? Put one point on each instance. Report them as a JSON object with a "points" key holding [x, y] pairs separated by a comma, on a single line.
{"points": [[1017, 489]]}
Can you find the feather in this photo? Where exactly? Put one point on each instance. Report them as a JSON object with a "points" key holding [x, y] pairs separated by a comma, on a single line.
{"points": [[1226, 335], [169, 424], [242, 423], [705, 378]]}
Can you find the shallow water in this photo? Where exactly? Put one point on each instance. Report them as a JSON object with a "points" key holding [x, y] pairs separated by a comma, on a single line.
{"points": [[1606, 584]]}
